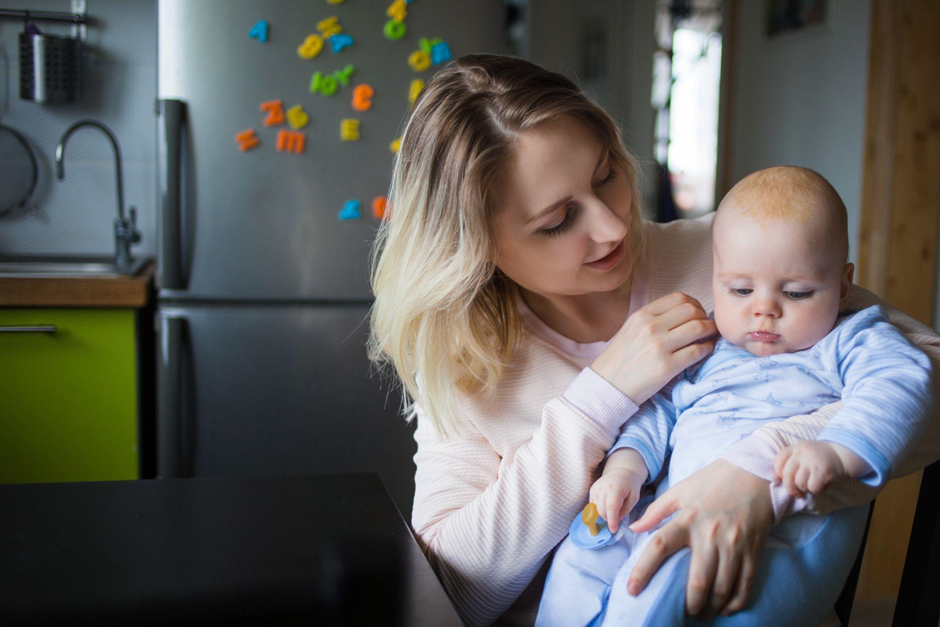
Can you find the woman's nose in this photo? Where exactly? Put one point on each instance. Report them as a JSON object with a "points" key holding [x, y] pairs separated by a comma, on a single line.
{"points": [[606, 224]]}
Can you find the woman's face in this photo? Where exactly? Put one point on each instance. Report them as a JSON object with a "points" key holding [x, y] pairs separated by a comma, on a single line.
{"points": [[564, 214]]}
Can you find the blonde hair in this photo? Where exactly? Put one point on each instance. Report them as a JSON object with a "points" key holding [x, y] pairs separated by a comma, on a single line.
{"points": [[444, 315]]}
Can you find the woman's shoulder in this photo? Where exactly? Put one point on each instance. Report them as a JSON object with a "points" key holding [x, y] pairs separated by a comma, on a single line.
{"points": [[680, 258], [679, 233]]}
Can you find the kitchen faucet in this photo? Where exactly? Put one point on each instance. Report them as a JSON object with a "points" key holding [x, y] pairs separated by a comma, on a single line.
{"points": [[125, 231]]}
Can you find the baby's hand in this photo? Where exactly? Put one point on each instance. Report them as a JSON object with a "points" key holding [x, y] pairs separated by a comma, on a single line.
{"points": [[615, 494], [813, 466]]}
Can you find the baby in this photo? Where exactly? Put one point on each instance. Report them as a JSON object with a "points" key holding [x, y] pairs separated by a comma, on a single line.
{"points": [[780, 282]]}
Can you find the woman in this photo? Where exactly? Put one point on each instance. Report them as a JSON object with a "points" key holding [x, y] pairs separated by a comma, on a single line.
{"points": [[528, 310]]}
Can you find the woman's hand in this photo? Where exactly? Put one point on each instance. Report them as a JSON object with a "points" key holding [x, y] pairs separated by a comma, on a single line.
{"points": [[724, 515], [655, 344]]}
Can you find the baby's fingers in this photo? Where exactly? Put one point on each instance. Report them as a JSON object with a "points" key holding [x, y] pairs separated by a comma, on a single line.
{"points": [[801, 480], [614, 505], [789, 477], [818, 482], [781, 460], [631, 501]]}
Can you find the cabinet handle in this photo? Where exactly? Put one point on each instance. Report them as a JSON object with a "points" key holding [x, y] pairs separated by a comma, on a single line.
{"points": [[39, 328]]}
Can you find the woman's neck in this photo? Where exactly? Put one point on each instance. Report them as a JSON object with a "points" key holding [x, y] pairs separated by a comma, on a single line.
{"points": [[584, 318]]}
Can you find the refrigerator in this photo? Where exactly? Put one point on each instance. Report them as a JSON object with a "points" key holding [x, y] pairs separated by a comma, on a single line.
{"points": [[263, 263]]}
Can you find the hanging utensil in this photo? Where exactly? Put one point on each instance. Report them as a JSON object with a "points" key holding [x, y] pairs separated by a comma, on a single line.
{"points": [[20, 171]]}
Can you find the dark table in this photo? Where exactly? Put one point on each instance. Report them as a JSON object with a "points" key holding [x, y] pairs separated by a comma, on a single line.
{"points": [[328, 549]]}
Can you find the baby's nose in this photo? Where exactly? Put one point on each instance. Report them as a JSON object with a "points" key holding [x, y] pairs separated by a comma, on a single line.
{"points": [[767, 308]]}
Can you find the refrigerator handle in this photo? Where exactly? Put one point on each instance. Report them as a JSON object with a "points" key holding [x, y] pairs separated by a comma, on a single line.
{"points": [[169, 268], [169, 407]]}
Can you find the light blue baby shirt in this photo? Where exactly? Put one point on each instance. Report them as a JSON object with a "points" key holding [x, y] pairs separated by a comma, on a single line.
{"points": [[883, 381]]}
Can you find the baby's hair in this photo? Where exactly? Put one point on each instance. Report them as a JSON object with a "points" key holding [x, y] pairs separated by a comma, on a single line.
{"points": [[444, 315], [789, 193]]}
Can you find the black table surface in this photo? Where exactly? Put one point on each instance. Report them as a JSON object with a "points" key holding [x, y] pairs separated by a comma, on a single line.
{"points": [[325, 549]]}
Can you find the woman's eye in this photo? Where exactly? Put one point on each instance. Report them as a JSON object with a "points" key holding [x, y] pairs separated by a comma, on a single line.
{"points": [[798, 295], [741, 291], [611, 175], [562, 226]]}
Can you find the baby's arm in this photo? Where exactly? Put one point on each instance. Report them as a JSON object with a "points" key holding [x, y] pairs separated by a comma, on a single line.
{"points": [[617, 491], [813, 466], [637, 455], [886, 407]]}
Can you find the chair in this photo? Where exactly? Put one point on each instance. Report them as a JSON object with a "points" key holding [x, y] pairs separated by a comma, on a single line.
{"points": [[918, 601], [919, 597]]}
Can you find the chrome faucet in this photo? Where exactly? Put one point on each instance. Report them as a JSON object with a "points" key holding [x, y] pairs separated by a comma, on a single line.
{"points": [[125, 231]]}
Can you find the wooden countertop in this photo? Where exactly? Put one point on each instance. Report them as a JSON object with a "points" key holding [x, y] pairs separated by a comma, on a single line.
{"points": [[126, 292]]}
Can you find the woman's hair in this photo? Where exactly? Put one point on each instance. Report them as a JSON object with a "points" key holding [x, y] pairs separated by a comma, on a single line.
{"points": [[444, 315]]}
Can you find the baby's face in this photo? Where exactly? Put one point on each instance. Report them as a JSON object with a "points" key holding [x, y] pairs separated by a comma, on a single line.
{"points": [[778, 284]]}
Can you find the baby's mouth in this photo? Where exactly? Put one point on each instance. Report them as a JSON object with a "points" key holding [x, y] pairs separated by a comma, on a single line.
{"points": [[764, 336]]}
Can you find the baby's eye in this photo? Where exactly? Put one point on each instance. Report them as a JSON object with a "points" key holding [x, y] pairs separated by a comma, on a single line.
{"points": [[741, 291], [798, 295]]}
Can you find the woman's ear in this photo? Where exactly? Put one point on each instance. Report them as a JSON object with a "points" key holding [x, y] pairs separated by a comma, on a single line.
{"points": [[845, 286]]}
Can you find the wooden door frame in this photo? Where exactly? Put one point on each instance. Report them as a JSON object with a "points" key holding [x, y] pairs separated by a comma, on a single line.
{"points": [[897, 254]]}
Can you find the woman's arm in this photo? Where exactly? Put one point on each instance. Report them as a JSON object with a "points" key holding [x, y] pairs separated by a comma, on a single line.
{"points": [[756, 453], [487, 528]]}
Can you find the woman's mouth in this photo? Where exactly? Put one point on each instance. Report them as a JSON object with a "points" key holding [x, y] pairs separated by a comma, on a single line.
{"points": [[609, 260], [764, 336]]}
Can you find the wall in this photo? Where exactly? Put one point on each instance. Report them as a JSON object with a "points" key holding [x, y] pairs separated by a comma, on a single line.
{"points": [[799, 98], [75, 215]]}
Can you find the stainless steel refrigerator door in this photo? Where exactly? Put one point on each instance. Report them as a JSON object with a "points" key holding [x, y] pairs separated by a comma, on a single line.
{"points": [[264, 224], [269, 390]]}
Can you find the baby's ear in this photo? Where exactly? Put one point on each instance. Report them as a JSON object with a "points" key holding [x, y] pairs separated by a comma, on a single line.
{"points": [[845, 286]]}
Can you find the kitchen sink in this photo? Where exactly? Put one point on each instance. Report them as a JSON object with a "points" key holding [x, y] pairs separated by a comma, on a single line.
{"points": [[54, 266]]}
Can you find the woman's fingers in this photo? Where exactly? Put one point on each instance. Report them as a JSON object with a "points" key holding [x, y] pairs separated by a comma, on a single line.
{"points": [[669, 302], [689, 332], [742, 586], [680, 314], [664, 543], [729, 565], [701, 575], [658, 511], [693, 353]]}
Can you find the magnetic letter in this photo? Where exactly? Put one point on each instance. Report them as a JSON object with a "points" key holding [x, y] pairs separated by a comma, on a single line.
{"points": [[311, 47], [362, 97], [275, 109]]}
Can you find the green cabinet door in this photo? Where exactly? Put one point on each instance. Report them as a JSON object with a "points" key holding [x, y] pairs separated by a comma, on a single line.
{"points": [[68, 397]]}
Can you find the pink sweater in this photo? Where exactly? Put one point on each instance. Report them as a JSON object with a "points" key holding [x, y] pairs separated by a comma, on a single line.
{"points": [[492, 505]]}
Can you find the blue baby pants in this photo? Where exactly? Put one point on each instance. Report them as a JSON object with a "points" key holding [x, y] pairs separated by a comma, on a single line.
{"points": [[802, 570]]}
